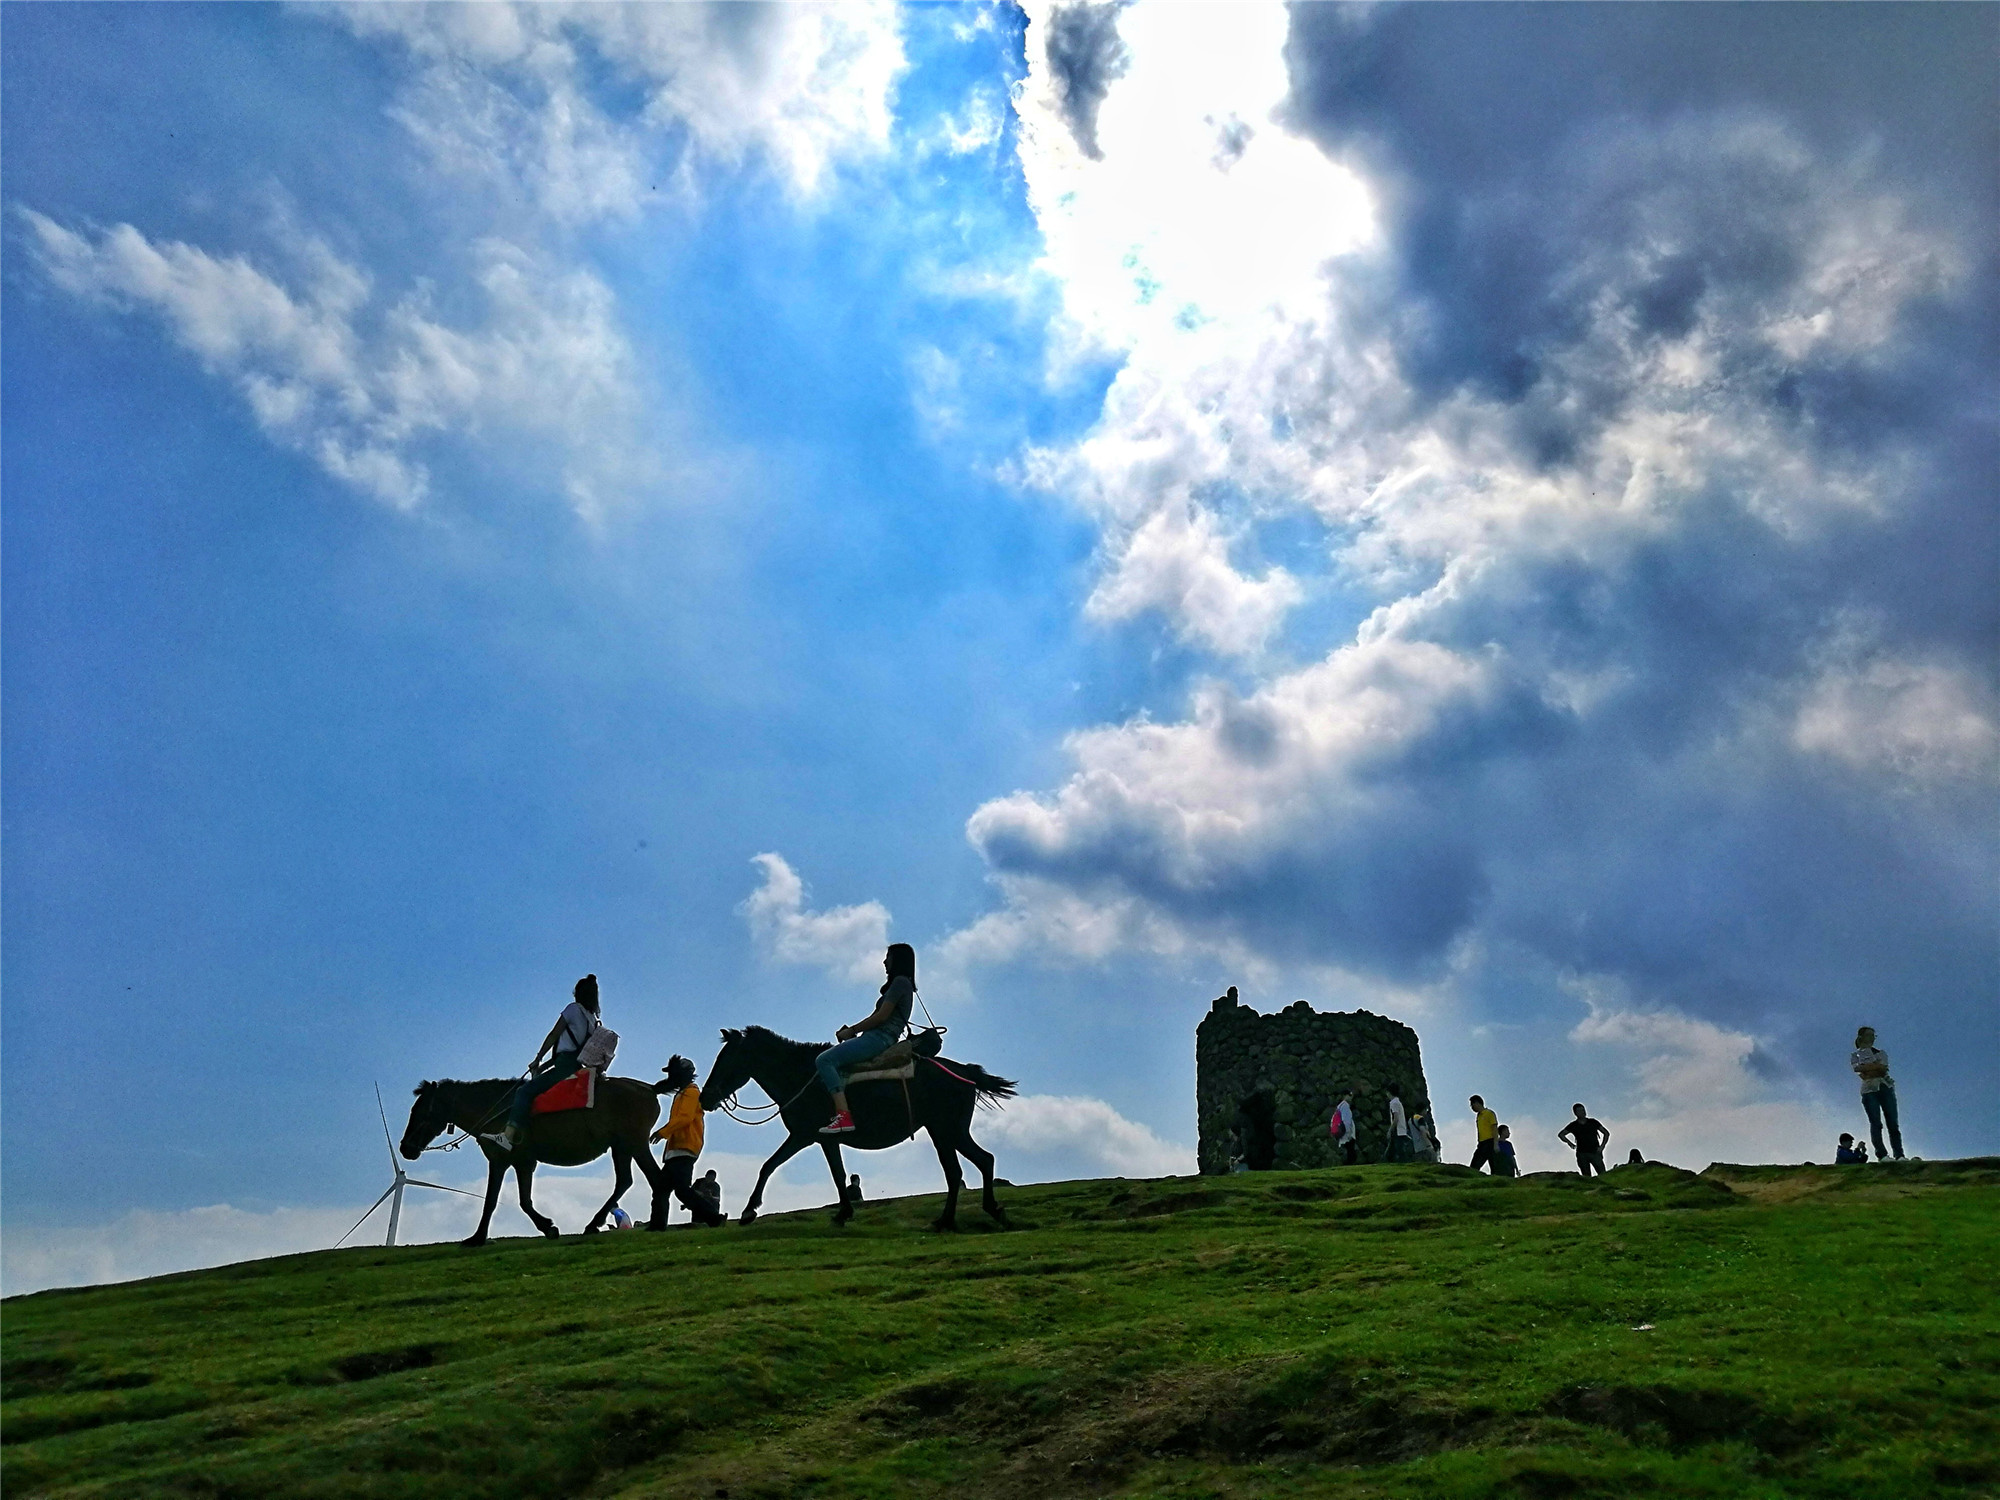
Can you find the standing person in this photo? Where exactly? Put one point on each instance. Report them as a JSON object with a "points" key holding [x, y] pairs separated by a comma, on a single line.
{"points": [[682, 1136], [565, 1039], [1588, 1138], [873, 1035], [1399, 1148], [1503, 1154], [1878, 1091], [1341, 1128], [1488, 1126]]}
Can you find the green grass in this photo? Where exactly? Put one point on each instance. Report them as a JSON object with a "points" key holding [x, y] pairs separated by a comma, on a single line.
{"points": [[1381, 1331]]}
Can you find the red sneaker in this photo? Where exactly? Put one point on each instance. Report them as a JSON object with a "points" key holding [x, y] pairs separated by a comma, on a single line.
{"points": [[840, 1124]]}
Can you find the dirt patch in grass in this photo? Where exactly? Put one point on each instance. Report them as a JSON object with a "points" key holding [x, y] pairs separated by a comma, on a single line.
{"points": [[1082, 1441], [1665, 1416], [379, 1362]]}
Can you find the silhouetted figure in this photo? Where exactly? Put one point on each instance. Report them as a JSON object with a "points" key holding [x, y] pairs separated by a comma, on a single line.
{"points": [[854, 1187], [709, 1191], [682, 1138], [1635, 1159], [565, 1039], [1847, 1153], [1503, 1154], [1588, 1139], [873, 1035], [1878, 1091], [1423, 1138], [1488, 1127]]}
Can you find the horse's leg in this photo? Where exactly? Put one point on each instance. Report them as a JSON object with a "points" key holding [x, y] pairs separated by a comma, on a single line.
{"points": [[623, 1165], [981, 1158], [792, 1147], [833, 1164], [954, 1179], [496, 1173], [524, 1175]]}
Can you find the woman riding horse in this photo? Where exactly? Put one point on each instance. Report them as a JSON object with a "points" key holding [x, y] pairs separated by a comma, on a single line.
{"points": [[875, 1034], [565, 1039]]}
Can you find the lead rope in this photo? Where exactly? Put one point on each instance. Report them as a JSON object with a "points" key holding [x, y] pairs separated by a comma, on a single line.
{"points": [[487, 1119]]}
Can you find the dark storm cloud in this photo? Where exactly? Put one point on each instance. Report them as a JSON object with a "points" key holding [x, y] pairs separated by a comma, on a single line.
{"points": [[1085, 56], [1737, 750]]}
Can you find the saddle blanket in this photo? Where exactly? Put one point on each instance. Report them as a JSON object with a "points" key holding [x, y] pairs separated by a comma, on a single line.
{"points": [[869, 1072], [578, 1091]]}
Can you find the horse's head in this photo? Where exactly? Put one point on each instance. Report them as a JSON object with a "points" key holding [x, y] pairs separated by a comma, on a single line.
{"points": [[729, 1072], [428, 1119]]}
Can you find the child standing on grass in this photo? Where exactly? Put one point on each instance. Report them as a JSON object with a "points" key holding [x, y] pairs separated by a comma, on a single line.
{"points": [[1503, 1153]]}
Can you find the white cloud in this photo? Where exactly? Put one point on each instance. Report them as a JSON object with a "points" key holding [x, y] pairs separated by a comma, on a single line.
{"points": [[846, 941], [1088, 1130], [505, 95], [363, 387], [1925, 721]]}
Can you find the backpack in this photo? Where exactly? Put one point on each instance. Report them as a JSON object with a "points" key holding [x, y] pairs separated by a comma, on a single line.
{"points": [[598, 1048]]}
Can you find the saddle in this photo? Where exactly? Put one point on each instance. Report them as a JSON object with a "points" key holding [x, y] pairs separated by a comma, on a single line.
{"points": [[578, 1091], [898, 1061]]}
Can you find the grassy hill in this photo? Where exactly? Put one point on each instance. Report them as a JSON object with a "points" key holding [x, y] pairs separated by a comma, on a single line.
{"points": [[1391, 1331]]}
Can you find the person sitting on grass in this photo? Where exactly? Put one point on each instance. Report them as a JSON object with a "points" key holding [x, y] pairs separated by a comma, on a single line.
{"points": [[870, 1037], [565, 1039], [1487, 1127], [1635, 1159], [1847, 1153], [1589, 1140], [1503, 1154], [682, 1136], [709, 1191]]}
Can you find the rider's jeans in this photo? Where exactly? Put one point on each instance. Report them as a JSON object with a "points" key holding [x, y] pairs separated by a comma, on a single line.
{"points": [[561, 1066], [857, 1049]]}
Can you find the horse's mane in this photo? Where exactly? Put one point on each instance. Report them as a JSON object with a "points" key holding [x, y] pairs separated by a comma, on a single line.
{"points": [[765, 1033], [465, 1083]]}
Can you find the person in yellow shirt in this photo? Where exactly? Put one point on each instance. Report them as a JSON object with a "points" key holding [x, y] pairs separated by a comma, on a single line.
{"points": [[682, 1137], [1489, 1130]]}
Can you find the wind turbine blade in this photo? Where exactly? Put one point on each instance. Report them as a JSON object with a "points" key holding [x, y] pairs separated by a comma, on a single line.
{"points": [[371, 1209], [387, 1139], [419, 1182]]}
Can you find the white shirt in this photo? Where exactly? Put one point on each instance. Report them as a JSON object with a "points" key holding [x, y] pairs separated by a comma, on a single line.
{"points": [[577, 1025], [1344, 1112], [1399, 1123], [1871, 1057]]}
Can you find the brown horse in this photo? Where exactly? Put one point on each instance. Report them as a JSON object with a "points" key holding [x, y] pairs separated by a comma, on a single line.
{"points": [[939, 1099], [619, 1122]]}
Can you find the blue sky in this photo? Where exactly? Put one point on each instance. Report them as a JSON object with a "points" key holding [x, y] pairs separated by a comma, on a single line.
{"points": [[1484, 513]]}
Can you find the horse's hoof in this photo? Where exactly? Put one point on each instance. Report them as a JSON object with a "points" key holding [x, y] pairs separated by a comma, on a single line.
{"points": [[749, 1216], [592, 1229], [474, 1243], [550, 1232], [654, 1228], [945, 1226]]}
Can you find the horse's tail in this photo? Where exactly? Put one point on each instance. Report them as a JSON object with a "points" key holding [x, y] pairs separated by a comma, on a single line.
{"points": [[988, 1087]]}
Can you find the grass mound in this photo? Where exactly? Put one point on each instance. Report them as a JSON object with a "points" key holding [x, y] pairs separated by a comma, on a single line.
{"points": [[1376, 1331]]}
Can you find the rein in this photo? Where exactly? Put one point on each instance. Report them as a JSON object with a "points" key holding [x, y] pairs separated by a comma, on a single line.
{"points": [[506, 1102], [740, 1113]]}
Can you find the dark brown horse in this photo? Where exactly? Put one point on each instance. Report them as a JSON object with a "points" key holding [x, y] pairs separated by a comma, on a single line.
{"points": [[939, 1100], [619, 1122]]}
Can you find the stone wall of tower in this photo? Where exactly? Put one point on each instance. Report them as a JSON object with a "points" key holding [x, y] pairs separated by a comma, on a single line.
{"points": [[1301, 1059]]}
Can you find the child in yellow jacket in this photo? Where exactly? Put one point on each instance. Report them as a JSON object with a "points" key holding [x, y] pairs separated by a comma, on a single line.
{"points": [[682, 1136]]}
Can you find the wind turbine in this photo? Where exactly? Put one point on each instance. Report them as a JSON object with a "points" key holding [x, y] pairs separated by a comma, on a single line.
{"points": [[395, 1189]]}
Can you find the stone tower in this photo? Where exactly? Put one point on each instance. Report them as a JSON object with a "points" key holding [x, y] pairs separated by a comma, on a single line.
{"points": [[1272, 1081]]}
